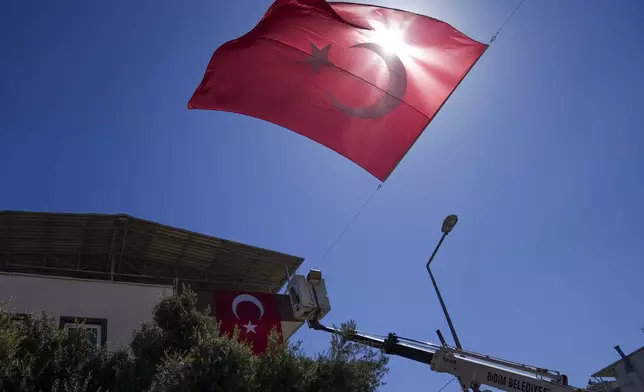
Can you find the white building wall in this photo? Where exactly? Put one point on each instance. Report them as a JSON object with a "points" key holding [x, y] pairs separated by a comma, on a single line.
{"points": [[631, 381], [124, 305]]}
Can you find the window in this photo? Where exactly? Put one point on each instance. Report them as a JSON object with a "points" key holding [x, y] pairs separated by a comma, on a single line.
{"points": [[96, 328], [19, 318]]}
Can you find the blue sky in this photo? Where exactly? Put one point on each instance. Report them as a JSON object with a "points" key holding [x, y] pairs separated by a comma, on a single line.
{"points": [[539, 152]]}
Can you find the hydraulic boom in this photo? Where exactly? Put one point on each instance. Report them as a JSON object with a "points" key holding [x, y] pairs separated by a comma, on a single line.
{"points": [[473, 370]]}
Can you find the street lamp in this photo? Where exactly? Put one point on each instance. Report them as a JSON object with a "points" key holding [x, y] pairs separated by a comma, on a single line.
{"points": [[448, 226]]}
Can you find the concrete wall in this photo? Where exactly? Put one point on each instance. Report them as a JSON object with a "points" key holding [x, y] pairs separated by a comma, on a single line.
{"points": [[124, 305]]}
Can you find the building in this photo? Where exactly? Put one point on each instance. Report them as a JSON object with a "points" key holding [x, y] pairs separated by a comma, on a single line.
{"points": [[110, 270], [623, 375]]}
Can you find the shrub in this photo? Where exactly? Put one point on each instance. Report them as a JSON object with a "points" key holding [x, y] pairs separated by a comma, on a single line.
{"points": [[180, 349]]}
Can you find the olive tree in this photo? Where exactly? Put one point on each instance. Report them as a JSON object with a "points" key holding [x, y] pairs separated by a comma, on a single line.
{"points": [[180, 349]]}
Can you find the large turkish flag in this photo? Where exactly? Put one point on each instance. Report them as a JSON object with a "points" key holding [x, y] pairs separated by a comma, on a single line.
{"points": [[254, 314], [362, 80]]}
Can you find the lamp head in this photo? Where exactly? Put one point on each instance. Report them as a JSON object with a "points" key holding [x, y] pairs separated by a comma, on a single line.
{"points": [[449, 223]]}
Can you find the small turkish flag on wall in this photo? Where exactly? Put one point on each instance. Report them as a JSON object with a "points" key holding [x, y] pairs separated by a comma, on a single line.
{"points": [[254, 314]]}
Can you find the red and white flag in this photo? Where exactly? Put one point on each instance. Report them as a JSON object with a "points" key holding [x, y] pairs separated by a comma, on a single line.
{"points": [[362, 80], [254, 314]]}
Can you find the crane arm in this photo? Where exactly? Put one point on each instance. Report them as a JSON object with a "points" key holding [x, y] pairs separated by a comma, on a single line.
{"points": [[472, 369], [310, 302]]}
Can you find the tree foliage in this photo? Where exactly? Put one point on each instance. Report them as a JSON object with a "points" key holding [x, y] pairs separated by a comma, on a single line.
{"points": [[180, 349]]}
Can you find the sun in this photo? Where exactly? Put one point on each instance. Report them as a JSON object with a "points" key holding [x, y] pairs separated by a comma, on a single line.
{"points": [[392, 39]]}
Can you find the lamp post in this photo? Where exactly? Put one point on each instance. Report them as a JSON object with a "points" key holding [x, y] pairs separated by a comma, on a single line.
{"points": [[448, 225]]}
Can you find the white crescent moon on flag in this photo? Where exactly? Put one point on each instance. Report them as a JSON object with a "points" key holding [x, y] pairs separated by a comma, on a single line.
{"points": [[247, 298], [395, 91]]}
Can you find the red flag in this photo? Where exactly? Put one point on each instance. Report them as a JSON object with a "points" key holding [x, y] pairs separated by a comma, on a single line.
{"points": [[362, 80], [254, 314]]}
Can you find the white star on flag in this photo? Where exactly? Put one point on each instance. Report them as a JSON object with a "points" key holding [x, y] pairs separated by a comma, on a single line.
{"points": [[250, 327]]}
